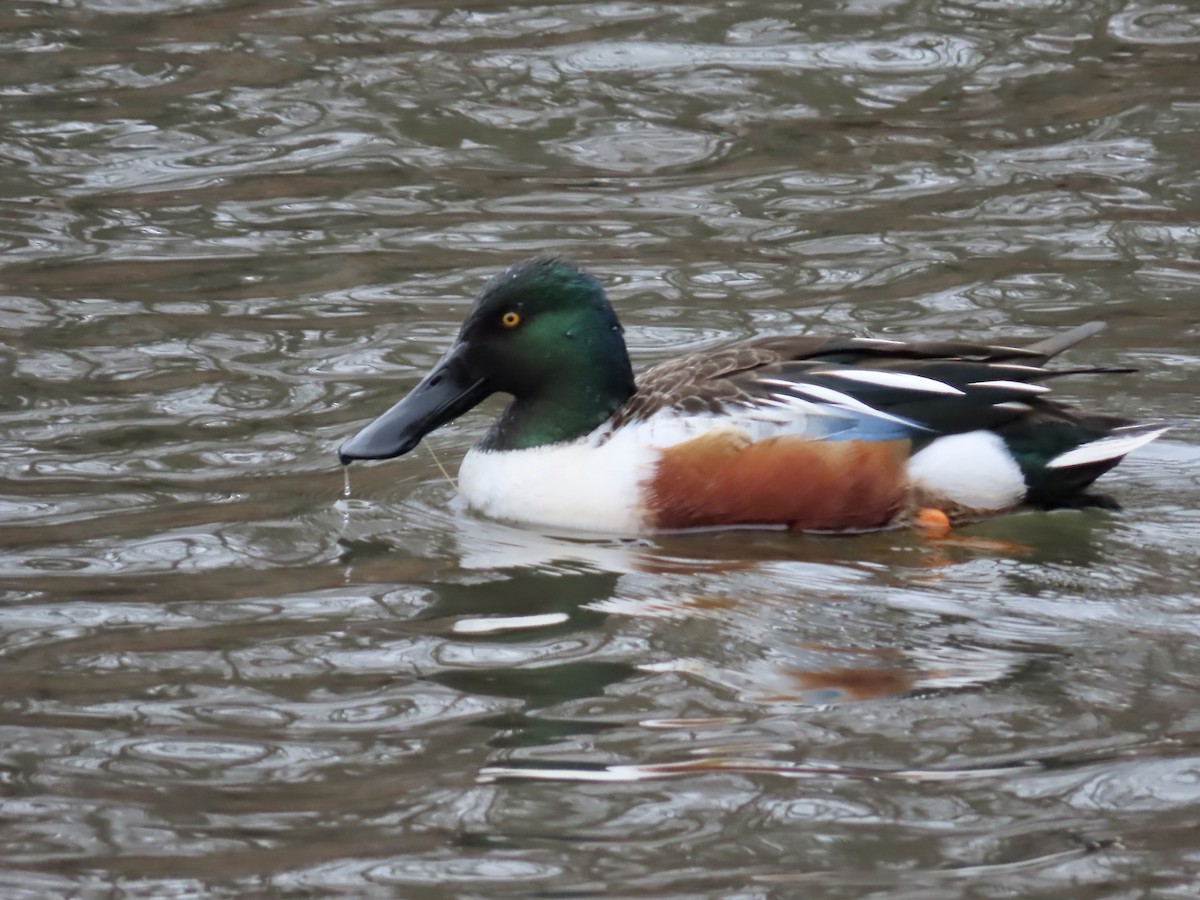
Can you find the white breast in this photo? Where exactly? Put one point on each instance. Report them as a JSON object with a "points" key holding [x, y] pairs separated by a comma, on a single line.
{"points": [[575, 486]]}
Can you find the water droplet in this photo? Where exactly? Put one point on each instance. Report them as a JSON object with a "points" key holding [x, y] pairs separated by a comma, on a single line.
{"points": [[346, 485]]}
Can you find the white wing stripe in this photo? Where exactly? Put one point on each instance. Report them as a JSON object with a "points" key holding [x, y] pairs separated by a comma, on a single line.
{"points": [[1017, 367], [904, 381], [793, 404], [845, 401], [779, 382], [1013, 386]]}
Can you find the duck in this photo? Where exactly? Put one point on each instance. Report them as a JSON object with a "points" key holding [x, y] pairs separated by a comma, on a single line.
{"points": [[805, 433]]}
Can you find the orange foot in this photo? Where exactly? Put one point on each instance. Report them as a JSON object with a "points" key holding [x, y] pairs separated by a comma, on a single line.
{"points": [[934, 526], [932, 523]]}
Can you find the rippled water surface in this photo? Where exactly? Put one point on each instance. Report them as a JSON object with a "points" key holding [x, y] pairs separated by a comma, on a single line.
{"points": [[233, 232]]}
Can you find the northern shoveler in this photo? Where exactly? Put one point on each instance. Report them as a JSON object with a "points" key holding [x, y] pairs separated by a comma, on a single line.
{"points": [[809, 433]]}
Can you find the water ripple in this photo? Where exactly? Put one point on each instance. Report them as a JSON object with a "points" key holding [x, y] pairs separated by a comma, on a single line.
{"points": [[233, 232]]}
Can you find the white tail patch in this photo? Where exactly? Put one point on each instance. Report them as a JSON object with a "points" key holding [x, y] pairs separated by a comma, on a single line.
{"points": [[904, 381], [1013, 405], [1120, 442], [1013, 386]]}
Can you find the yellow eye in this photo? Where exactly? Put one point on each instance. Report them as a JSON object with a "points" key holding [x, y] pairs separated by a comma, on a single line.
{"points": [[510, 319]]}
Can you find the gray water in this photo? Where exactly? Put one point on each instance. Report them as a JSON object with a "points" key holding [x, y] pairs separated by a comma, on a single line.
{"points": [[233, 232]]}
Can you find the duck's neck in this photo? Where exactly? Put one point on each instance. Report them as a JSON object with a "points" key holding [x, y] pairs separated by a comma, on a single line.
{"points": [[569, 407]]}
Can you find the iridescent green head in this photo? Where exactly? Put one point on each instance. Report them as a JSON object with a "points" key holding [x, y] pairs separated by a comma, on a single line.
{"points": [[542, 331]]}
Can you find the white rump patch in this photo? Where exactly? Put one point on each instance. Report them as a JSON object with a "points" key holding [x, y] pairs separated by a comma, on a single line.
{"points": [[974, 470], [1120, 442], [904, 381]]}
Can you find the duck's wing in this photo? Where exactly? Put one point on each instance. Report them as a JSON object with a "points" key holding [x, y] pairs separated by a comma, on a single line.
{"points": [[700, 383], [926, 388]]}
